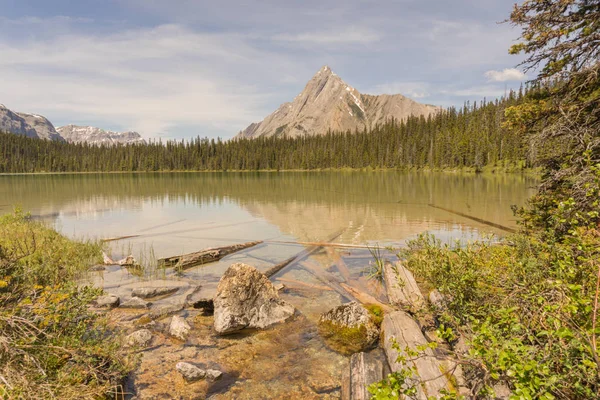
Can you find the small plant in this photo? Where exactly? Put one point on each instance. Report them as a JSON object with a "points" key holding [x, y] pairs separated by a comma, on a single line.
{"points": [[376, 267]]}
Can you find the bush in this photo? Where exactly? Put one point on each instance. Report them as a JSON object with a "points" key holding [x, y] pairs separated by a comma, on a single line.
{"points": [[51, 344]]}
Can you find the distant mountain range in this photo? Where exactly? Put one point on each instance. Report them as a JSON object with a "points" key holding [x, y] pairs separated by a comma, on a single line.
{"points": [[37, 126], [329, 103]]}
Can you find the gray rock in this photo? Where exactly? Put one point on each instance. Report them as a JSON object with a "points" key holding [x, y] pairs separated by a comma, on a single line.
{"points": [[179, 328], [150, 291], [135, 302], [108, 301], [348, 328], [246, 298], [213, 374], [30, 125], [437, 299], [190, 372], [165, 310], [140, 338]]}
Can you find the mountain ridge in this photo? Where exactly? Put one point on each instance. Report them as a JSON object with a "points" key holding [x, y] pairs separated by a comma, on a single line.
{"points": [[328, 103], [39, 127]]}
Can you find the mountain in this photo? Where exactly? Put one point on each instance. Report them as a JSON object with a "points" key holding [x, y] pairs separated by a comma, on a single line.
{"points": [[328, 103], [92, 135], [30, 125]]}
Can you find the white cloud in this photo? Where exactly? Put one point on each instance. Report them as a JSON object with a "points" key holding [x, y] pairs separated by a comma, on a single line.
{"points": [[413, 90], [506, 75], [333, 37]]}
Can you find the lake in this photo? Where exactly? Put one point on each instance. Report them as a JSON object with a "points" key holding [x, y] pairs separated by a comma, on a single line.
{"points": [[175, 213]]}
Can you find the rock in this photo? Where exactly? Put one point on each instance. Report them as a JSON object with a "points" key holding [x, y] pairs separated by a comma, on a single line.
{"points": [[501, 391], [135, 302], [279, 287], [108, 301], [107, 260], [437, 299], [398, 327], [150, 291], [128, 261], [97, 268], [246, 298], [213, 374], [401, 287], [179, 327], [363, 370], [140, 338], [97, 136], [348, 328], [165, 310], [190, 372]]}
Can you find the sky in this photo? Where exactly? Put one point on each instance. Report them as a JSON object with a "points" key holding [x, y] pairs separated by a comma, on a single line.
{"points": [[187, 68]]}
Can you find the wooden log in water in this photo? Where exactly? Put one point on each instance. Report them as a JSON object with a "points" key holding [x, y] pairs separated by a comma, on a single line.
{"points": [[276, 268], [113, 239], [205, 256], [305, 284], [365, 298], [482, 221], [323, 244], [339, 263]]}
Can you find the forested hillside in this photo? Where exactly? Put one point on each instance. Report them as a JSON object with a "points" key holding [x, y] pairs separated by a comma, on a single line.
{"points": [[472, 136]]}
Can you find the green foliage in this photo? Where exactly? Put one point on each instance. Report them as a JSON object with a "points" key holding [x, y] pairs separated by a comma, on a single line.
{"points": [[472, 136], [376, 313], [52, 345]]}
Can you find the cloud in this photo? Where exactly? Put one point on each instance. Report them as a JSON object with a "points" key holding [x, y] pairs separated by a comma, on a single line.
{"points": [[347, 36], [506, 75], [413, 90]]}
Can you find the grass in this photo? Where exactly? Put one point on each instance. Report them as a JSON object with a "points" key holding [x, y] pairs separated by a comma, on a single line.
{"points": [[52, 345]]}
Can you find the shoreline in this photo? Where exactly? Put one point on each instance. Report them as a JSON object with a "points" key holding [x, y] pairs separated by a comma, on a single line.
{"points": [[488, 170]]}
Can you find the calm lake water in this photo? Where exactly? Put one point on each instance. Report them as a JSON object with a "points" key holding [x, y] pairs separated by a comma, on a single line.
{"points": [[176, 213]]}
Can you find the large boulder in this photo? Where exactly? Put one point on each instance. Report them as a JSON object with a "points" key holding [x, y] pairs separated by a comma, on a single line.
{"points": [[348, 328], [246, 298]]}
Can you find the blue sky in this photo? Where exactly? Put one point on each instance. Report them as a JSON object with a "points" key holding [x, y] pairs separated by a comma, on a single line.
{"points": [[182, 68]]}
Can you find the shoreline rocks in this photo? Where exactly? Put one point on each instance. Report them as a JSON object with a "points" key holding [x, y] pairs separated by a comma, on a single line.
{"points": [[108, 301], [150, 291], [246, 298], [179, 328], [348, 328]]}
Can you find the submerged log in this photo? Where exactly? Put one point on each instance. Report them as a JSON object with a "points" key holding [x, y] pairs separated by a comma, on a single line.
{"points": [[364, 369], [276, 268], [305, 284], [401, 287], [365, 298], [205, 256], [481, 221], [339, 263]]}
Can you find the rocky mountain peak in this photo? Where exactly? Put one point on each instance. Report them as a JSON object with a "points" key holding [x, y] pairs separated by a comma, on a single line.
{"points": [[328, 103], [89, 134]]}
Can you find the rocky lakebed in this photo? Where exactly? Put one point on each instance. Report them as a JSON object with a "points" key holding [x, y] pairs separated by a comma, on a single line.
{"points": [[312, 329]]}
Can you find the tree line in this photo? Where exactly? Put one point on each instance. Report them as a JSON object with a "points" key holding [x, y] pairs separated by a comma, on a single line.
{"points": [[470, 136]]}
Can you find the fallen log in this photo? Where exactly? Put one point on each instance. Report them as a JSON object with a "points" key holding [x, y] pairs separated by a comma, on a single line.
{"points": [[323, 244], [482, 221], [204, 257], [363, 370], [339, 263], [305, 284], [114, 239], [401, 287], [365, 298], [300, 255], [429, 372]]}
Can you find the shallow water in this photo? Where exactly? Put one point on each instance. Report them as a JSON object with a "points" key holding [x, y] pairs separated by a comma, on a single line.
{"points": [[175, 213]]}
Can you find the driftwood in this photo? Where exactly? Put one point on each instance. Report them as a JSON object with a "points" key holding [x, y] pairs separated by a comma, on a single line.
{"points": [[305, 284], [205, 256], [363, 370], [365, 298], [114, 239], [398, 327], [324, 244], [482, 221], [401, 287], [300, 255], [276, 268], [338, 261]]}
